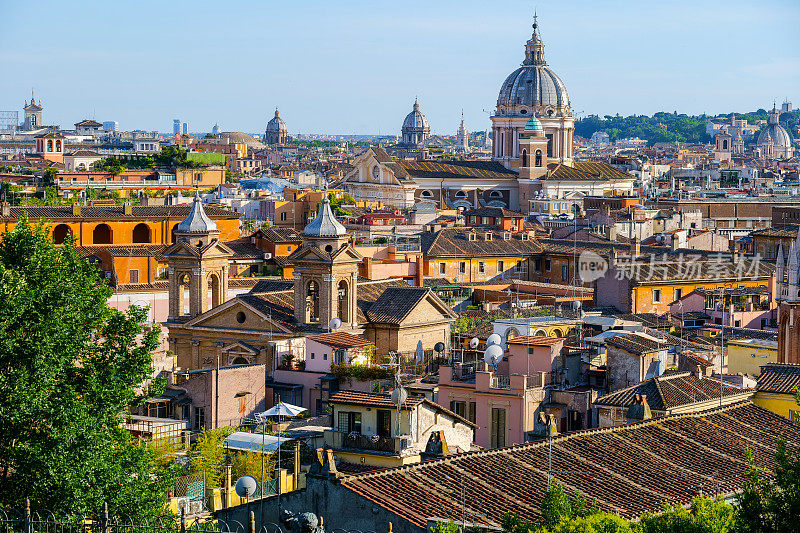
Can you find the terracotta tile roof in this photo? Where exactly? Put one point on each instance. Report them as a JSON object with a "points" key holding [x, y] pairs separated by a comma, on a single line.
{"points": [[371, 399], [280, 304], [779, 378], [489, 170], [243, 250], [627, 470], [587, 171], [132, 250], [788, 231], [341, 339], [262, 286], [645, 271], [670, 391], [636, 344], [278, 234], [452, 242], [493, 212], [396, 303], [532, 340]]}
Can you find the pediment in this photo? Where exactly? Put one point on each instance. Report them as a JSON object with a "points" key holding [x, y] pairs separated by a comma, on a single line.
{"points": [[227, 316], [347, 252], [185, 249], [240, 348]]}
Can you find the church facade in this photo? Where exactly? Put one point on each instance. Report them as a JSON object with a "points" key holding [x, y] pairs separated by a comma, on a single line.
{"points": [[206, 329]]}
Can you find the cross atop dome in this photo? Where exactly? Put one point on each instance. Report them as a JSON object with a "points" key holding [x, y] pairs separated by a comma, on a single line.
{"points": [[534, 48]]}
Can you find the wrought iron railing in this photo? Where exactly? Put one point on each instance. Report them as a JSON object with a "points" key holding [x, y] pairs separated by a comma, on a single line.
{"points": [[368, 442]]}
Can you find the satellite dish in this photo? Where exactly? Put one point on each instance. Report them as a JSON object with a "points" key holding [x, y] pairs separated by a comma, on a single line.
{"points": [[439, 347], [493, 354], [399, 395], [246, 486], [335, 323], [576, 305], [494, 338], [473, 343]]}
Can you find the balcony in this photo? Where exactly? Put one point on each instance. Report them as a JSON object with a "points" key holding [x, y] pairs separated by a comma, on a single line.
{"points": [[369, 443]]}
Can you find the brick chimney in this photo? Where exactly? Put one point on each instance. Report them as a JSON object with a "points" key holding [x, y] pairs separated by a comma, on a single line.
{"points": [[5, 209], [127, 208], [76, 209], [640, 410], [368, 267], [419, 274], [636, 247]]}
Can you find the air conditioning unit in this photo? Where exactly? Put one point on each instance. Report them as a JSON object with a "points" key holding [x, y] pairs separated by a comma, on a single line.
{"points": [[196, 507], [184, 505], [267, 255]]}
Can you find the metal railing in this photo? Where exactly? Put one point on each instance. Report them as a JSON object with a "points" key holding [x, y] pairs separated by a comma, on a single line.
{"points": [[501, 382], [45, 521], [368, 442]]}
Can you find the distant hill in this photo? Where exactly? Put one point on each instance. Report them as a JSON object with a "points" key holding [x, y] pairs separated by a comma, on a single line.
{"points": [[670, 127]]}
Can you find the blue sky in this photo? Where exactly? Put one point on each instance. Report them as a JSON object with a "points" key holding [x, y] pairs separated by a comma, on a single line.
{"points": [[355, 67]]}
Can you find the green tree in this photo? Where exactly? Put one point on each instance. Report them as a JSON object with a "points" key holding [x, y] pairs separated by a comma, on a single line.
{"points": [[69, 366], [50, 175], [705, 515], [208, 454]]}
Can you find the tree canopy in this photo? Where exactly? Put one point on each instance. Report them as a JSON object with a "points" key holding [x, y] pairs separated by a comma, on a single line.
{"points": [[69, 368]]}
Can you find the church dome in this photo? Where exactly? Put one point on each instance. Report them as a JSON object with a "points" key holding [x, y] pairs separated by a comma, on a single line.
{"points": [[534, 124], [197, 221], [276, 124], [775, 134], [238, 137], [534, 84], [416, 119], [325, 223]]}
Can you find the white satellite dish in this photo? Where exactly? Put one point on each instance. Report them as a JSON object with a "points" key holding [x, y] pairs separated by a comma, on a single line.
{"points": [[493, 354], [246, 486], [474, 342], [399, 396], [494, 338], [335, 323], [576, 305]]}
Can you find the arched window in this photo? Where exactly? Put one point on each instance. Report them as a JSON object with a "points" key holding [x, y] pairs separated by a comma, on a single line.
{"points": [[511, 334], [102, 234], [49, 145], [58, 146], [184, 297], [495, 194], [312, 302], [342, 299], [538, 158], [524, 158], [60, 233], [241, 361], [141, 233], [556, 333], [725, 144], [540, 333], [461, 194], [215, 286], [426, 194], [173, 233]]}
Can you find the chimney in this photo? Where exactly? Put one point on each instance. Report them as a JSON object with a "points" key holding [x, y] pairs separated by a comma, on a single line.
{"points": [[698, 372], [636, 247], [419, 274], [5, 210], [127, 208], [368, 267], [76, 209], [640, 410]]}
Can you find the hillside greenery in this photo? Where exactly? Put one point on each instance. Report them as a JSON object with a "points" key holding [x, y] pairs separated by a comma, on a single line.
{"points": [[670, 127]]}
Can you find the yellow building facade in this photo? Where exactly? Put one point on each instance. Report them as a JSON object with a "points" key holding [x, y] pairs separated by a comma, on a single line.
{"points": [[747, 356]]}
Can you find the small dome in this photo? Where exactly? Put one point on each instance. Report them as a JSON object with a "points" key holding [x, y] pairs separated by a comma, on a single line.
{"points": [[238, 137], [534, 124], [197, 221], [416, 119], [775, 134], [277, 123], [325, 223]]}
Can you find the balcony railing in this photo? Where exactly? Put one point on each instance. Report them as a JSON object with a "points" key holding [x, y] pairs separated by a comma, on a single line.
{"points": [[501, 382], [358, 441]]}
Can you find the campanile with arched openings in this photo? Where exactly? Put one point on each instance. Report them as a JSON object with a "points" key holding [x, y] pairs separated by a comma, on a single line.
{"points": [[197, 264], [325, 273]]}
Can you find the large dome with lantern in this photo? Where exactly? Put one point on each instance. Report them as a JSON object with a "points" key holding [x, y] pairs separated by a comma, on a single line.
{"points": [[534, 87]]}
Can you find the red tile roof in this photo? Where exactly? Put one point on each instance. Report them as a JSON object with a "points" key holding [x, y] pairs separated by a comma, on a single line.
{"points": [[628, 469], [533, 340], [371, 399], [341, 339], [780, 378]]}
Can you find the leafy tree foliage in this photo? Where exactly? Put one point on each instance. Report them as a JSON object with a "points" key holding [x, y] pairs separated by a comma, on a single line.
{"points": [[69, 366]]}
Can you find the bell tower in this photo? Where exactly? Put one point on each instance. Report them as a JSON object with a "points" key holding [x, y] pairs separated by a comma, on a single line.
{"points": [[532, 160], [325, 273], [787, 279], [197, 264]]}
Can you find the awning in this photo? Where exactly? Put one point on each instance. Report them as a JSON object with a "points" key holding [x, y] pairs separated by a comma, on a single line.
{"points": [[253, 442]]}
